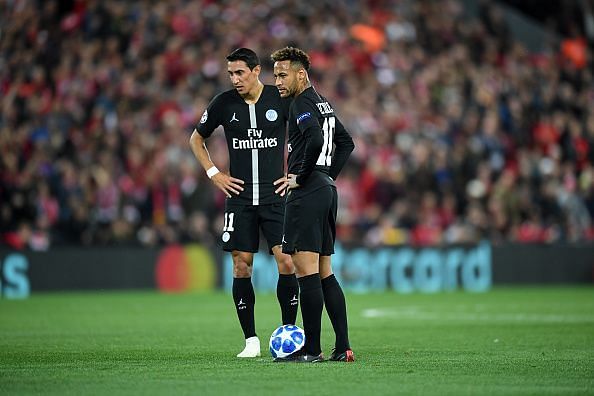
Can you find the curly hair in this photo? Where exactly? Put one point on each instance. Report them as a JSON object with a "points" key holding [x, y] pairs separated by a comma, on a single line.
{"points": [[295, 55]]}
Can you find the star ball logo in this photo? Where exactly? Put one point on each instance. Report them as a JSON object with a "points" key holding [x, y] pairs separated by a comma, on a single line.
{"points": [[303, 117]]}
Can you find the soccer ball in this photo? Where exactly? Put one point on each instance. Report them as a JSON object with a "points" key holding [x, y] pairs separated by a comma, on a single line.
{"points": [[286, 340]]}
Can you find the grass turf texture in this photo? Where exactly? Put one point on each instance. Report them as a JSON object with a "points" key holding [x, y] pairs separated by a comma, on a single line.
{"points": [[537, 341]]}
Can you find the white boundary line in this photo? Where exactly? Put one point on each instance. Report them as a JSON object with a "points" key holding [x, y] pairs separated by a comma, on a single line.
{"points": [[415, 313]]}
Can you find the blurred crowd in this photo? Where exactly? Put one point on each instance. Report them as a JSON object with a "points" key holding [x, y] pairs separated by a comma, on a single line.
{"points": [[461, 132]]}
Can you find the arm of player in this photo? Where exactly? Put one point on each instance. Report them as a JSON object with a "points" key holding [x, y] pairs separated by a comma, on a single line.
{"points": [[344, 148], [226, 183], [313, 147]]}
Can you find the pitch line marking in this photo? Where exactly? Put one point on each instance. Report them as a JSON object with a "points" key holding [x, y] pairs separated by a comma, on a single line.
{"points": [[413, 313]]}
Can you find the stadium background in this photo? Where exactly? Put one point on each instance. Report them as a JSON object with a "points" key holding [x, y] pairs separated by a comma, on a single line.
{"points": [[473, 122], [466, 235]]}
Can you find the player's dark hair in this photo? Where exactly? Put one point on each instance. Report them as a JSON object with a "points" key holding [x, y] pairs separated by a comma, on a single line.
{"points": [[295, 55], [244, 54]]}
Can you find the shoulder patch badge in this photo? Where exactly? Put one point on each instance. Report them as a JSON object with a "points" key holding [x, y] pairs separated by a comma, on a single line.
{"points": [[303, 117]]}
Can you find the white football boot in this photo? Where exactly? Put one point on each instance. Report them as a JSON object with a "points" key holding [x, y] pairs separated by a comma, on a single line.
{"points": [[252, 348]]}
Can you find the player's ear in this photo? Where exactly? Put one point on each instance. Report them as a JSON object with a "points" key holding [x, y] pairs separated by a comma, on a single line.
{"points": [[305, 75], [257, 69], [302, 75]]}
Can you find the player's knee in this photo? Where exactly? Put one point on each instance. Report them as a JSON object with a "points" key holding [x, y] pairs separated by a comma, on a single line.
{"points": [[242, 270], [242, 266], [285, 264]]}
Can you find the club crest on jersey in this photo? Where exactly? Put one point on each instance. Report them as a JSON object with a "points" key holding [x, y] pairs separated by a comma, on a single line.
{"points": [[204, 117], [303, 117], [271, 115]]}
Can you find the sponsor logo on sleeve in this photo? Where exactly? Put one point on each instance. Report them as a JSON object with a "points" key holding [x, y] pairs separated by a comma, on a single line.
{"points": [[303, 117], [204, 117]]}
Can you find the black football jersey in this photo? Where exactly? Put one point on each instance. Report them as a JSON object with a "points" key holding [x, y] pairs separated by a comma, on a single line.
{"points": [[256, 137], [311, 115]]}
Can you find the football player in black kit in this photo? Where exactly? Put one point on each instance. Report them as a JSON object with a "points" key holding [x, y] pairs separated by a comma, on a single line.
{"points": [[253, 116], [319, 146]]}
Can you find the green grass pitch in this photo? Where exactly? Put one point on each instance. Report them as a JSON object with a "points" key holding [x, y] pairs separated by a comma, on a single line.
{"points": [[510, 341]]}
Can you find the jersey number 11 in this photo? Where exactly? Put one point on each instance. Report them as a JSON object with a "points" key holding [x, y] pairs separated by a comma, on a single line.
{"points": [[325, 157]]}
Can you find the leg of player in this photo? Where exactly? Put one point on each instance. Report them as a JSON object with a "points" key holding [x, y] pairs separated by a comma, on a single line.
{"points": [[312, 300], [336, 307], [287, 288], [245, 299]]}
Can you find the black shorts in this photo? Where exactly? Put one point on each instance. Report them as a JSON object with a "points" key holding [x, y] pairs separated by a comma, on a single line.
{"points": [[310, 222], [242, 225]]}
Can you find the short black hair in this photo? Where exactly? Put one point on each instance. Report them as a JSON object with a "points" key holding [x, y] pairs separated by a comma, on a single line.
{"points": [[295, 55], [244, 54]]}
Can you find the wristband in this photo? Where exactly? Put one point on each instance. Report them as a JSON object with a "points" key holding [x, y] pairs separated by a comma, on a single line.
{"points": [[212, 171]]}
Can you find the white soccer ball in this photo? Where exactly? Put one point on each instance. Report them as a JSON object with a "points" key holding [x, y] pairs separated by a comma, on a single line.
{"points": [[286, 340]]}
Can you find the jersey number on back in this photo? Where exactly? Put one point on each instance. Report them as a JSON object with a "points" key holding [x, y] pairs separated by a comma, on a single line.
{"points": [[325, 157]]}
